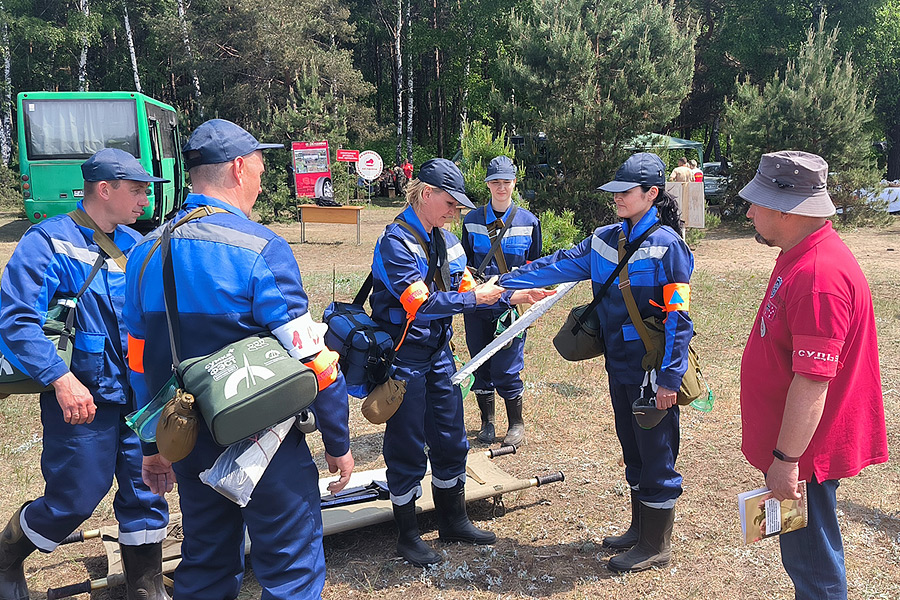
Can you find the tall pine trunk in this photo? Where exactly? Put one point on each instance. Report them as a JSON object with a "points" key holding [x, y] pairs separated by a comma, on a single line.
{"points": [[6, 107], [893, 159], [130, 37], [438, 95], [190, 57], [409, 88], [398, 72], [84, 6]]}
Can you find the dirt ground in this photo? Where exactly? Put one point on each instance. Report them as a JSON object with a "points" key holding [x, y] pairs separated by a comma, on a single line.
{"points": [[549, 538]]}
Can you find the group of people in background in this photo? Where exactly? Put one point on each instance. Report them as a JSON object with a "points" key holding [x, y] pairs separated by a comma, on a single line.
{"points": [[686, 171], [811, 400]]}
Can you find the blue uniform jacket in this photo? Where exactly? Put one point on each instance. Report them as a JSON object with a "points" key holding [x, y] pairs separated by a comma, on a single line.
{"points": [[400, 261], [521, 243], [663, 258], [233, 278], [53, 260]]}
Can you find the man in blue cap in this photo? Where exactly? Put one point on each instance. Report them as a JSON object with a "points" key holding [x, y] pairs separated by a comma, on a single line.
{"points": [[521, 242], [235, 278], [85, 439]]}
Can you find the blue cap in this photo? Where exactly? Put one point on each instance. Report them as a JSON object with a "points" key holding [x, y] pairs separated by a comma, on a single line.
{"points": [[501, 167], [220, 141], [643, 168], [443, 174], [112, 164]]}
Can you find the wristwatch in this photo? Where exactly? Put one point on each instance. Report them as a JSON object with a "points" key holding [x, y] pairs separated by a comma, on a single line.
{"points": [[783, 457]]}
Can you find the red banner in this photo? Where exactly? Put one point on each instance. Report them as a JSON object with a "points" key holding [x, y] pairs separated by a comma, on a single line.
{"points": [[347, 155]]}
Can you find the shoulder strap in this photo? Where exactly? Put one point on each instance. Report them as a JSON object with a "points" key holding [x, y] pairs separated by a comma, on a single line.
{"points": [[70, 315], [626, 250], [495, 245], [432, 256], [630, 304], [103, 240]]}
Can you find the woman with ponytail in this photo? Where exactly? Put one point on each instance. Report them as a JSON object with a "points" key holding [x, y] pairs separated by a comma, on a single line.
{"points": [[659, 273]]}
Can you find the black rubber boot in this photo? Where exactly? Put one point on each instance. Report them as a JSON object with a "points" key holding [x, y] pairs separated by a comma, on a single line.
{"points": [[486, 405], [409, 545], [515, 434], [14, 549], [453, 520], [654, 547], [630, 537], [143, 572]]}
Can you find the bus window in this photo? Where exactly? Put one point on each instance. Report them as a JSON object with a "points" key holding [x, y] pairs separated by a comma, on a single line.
{"points": [[66, 129]]}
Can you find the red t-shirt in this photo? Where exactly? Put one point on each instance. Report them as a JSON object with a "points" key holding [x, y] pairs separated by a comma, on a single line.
{"points": [[408, 170], [816, 320]]}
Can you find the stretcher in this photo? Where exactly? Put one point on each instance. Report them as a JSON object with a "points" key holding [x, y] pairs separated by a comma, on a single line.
{"points": [[364, 502]]}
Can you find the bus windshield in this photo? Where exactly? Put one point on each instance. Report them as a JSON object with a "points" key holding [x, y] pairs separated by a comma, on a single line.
{"points": [[79, 128]]}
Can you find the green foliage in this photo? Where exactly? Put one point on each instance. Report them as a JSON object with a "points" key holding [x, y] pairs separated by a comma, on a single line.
{"points": [[10, 195], [278, 204], [558, 230], [592, 76], [818, 105], [479, 147], [693, 235]]}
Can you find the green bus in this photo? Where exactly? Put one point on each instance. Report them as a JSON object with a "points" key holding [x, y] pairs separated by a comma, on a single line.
{"points": [[58, 131]]}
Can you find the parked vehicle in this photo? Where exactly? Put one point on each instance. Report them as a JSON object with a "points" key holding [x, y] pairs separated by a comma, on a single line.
{"points": [[60, 130], [716, 179]]}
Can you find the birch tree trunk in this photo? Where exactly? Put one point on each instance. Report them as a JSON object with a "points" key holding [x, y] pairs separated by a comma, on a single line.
{"points": [[398, 60], [6, 108], [409, 89], [190, 56], [84, 6], [130, 38]]}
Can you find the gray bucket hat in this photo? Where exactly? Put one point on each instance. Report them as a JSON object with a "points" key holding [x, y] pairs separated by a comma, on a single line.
{"points": [[791, 181]]}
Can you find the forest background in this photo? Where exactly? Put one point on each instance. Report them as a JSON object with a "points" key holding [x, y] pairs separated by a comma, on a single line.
{"points": [[574, 80]]}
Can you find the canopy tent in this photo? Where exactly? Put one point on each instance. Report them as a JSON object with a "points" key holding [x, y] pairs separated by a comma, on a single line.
{"points": [[653, 142]]}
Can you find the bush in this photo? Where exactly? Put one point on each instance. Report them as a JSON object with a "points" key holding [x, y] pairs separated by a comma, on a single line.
{"points": [[558, 230], [10, 195], [479, 147]]}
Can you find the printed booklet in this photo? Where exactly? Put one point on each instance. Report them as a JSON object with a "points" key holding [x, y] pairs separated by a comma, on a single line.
{"points": [[763, 516]]}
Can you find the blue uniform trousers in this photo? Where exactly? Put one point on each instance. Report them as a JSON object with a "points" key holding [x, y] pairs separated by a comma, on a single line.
{"points": [[814, 555], [431, 413], [283, 518], [649, 453], [501, 371], [78, 463]]}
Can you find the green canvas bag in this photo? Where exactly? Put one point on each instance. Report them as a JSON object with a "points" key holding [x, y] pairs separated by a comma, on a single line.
{"points": [[245, 386]]}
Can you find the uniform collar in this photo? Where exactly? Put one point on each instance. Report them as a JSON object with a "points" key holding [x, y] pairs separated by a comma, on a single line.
{"points": [[195, 200], [806, 244], [410, 216], [643, 225]]}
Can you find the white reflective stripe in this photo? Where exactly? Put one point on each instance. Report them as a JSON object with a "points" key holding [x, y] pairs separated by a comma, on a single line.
{"points": [[611, 254], [524, 230], [139, 538], [37, 539], [303, 338], [416, 492], [455, 251], [446, 484], [88, 257], [477, 228], [415, 248], [667, 504], [605, 251]]}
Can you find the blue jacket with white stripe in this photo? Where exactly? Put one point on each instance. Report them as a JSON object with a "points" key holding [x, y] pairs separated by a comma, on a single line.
{"points": [[663, 258], [521, 243], [400, 261], [233, 278], [53, 260]]}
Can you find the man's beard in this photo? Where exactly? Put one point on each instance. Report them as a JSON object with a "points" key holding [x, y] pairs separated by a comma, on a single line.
{"points": [[762, 240]]}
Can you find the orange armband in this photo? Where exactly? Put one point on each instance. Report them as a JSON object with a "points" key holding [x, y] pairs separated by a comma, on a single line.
{"points": [[413, 298], [677, 296], [325, 366], [468, 282], [135, 354]]}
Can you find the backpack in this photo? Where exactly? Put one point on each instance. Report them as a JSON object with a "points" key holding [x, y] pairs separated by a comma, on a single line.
{"points": [[367, 352]]}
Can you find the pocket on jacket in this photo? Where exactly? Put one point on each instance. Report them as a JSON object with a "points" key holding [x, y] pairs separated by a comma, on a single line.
{"points": [[87, 360]]}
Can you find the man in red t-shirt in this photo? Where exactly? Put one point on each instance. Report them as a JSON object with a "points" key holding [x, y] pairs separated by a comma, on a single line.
{"points": [[811, 403], [408, 170]]}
